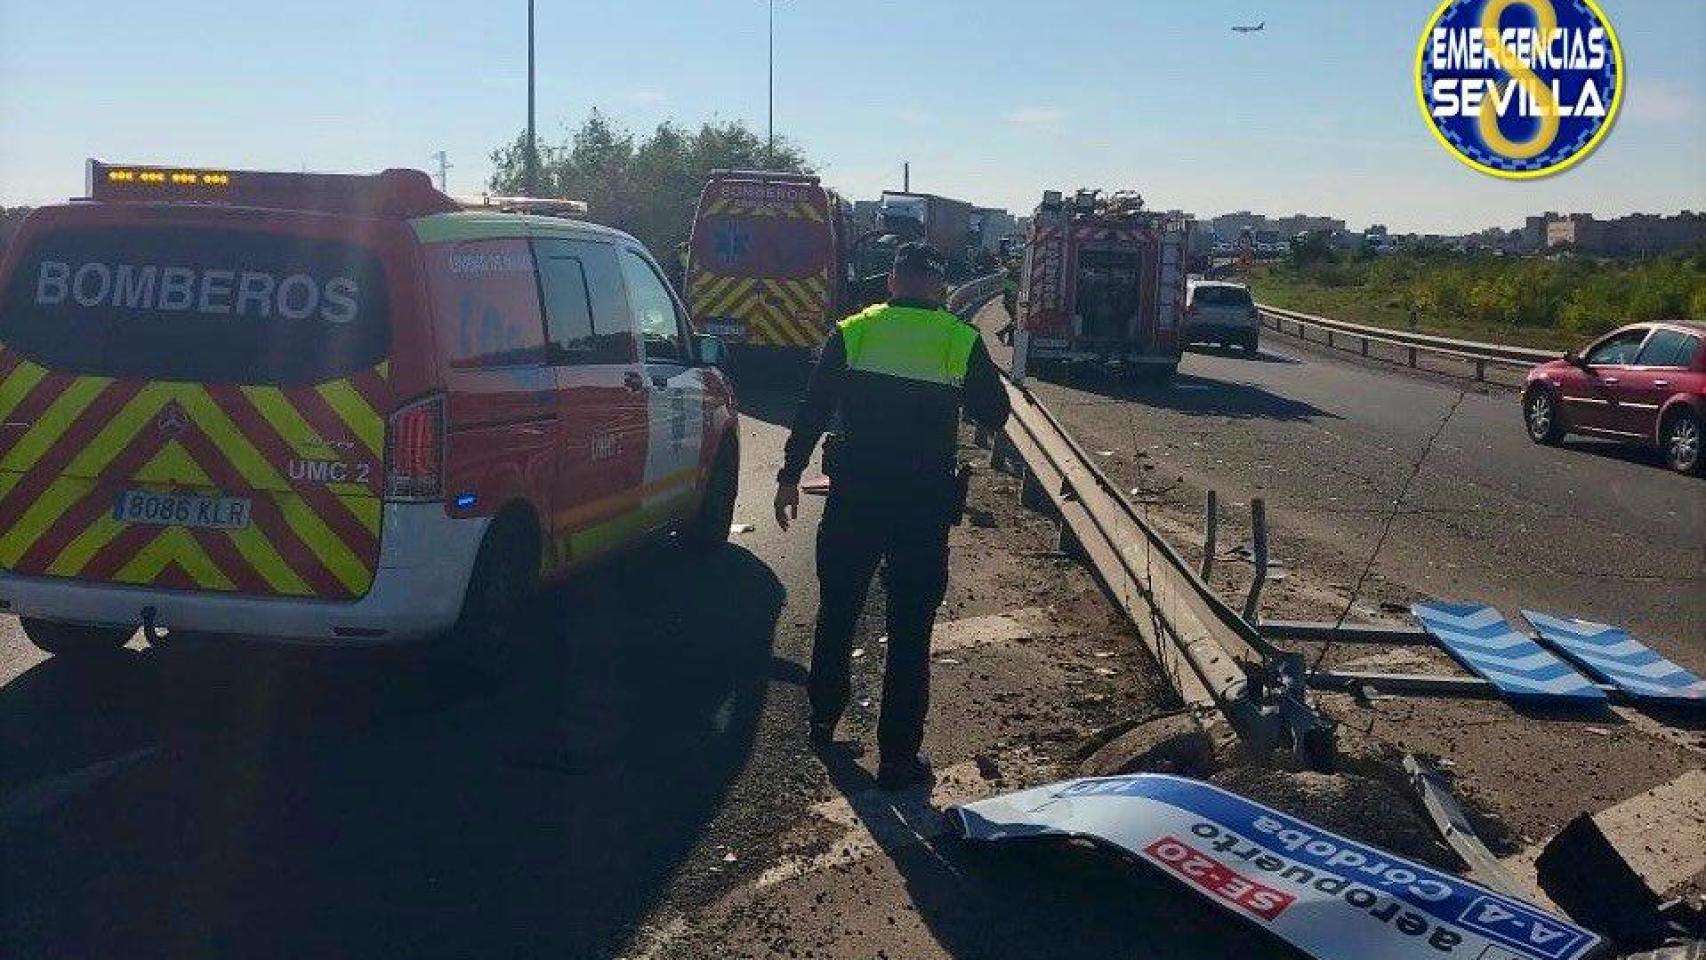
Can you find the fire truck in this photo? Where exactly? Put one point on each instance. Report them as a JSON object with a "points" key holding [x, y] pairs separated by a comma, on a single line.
{"points": [[1103, 283]]}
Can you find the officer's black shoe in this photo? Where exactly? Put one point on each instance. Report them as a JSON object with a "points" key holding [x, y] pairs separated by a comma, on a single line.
{"points": [[823, 735], [905, 772]]}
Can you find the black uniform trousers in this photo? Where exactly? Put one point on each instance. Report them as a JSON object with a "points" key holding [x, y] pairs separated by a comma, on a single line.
{"points": [[905, 531]]}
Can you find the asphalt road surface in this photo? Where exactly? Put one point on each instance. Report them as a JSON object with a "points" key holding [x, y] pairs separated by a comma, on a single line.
{"points": [[1589, 529]]}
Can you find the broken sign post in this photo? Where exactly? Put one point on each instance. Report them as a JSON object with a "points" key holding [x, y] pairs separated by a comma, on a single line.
{"points": [[1332, 897]]}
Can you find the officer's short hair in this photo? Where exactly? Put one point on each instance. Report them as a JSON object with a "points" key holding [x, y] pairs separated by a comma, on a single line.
{"points": [[920, 261]]}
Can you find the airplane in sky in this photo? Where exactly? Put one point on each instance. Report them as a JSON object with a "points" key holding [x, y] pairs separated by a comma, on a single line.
{"points": [[1255, 29]]}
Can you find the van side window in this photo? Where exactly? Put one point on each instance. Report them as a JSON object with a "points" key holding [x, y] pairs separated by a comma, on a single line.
{"points": [[585, 319], [654, 308], [487, 303]]}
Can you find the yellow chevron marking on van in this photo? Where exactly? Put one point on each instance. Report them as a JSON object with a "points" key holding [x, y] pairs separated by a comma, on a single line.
{"points": [[328, 546], [361, 504], [285, 420], [288, 423], [172, 465], [85, 545], [54, 421], [120, 430], [18, 385], [53, 502], [230, 441], [174, 545], [354, 412], [264, 557]]}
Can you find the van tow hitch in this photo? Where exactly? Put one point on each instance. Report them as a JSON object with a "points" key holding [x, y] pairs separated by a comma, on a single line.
{"points": [[151, 626]]}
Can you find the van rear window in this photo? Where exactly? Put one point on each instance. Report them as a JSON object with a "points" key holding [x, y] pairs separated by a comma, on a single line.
{"points": [[794, 247], [197, 304], [1221, 296]]}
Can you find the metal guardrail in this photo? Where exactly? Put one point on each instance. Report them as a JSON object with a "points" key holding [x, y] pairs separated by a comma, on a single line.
{"points": [[967, 297], [1213, 657], [1410, 346]]}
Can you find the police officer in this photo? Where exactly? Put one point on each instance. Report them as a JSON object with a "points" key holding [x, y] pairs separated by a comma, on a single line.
{"points": [[899, 374]]}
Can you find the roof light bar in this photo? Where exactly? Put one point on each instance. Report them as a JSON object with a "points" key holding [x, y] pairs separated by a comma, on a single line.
{"points": [[401, 193], [547, 206]]}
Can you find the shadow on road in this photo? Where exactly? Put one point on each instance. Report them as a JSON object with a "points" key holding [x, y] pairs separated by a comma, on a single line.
{"points": [[769, 403], [1616, 450], [1195, 395], [1039, 898], [281, 804], [1238, 353]]}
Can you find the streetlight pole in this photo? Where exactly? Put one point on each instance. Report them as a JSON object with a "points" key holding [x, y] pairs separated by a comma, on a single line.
{"points": [[770, 148], [530, 163]]}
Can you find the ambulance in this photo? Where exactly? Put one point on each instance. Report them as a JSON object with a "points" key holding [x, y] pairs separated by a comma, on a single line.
{"points": [[767, 261], [339, 409]]}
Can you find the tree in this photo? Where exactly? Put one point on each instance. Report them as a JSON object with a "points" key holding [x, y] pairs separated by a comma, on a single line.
{"points": [[647, 187]]}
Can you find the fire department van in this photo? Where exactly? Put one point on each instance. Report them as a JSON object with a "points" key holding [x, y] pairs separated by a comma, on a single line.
{"points": [[334, 408]]}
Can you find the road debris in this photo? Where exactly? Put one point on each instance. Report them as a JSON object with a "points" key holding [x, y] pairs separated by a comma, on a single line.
{"points": [[1171, 743], [1331, 897], [1614, 869], [1454, 828], [739, 528]]}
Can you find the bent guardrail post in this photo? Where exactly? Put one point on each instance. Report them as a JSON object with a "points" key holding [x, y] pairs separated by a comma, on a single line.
{"points": [[1259, 541], [1210, 522]]}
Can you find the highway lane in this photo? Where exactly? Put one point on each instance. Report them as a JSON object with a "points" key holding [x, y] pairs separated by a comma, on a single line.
{"points": [[1588, 529]]}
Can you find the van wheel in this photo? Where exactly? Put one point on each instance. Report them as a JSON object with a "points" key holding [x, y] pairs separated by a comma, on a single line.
{"points": [[710, 526], [503, 582], [74, 641], [1681, 438], [1250, 343]]}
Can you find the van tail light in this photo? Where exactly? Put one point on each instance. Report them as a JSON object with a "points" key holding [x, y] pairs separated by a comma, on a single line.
{"points": [[414, 451]]}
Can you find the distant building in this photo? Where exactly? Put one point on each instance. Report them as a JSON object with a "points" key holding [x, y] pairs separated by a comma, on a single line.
{"points": [[1305, 223], [1231, 226], [1638, 234], [992, 225]]}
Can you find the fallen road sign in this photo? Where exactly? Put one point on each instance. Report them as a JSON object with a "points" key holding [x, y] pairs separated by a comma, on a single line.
{"points": [[1612, 655], [1331, 897], [1484, 641]]}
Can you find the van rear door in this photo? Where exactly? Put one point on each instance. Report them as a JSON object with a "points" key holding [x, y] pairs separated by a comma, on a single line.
{"points": [[195, 400], [762, 263]]}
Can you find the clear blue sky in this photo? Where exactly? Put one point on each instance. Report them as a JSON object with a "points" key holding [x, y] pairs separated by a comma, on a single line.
{"points": [[992, 101]]}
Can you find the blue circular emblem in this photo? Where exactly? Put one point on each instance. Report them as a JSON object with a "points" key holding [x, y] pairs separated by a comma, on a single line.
{"points": [[1519, 88]]}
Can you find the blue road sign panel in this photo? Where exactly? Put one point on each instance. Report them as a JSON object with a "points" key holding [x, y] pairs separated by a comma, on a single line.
{"points": [[1483, 640], [1612, 655]]}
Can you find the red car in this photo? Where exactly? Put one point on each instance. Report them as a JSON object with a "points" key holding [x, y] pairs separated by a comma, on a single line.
{"points": [[1645, 383]]}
